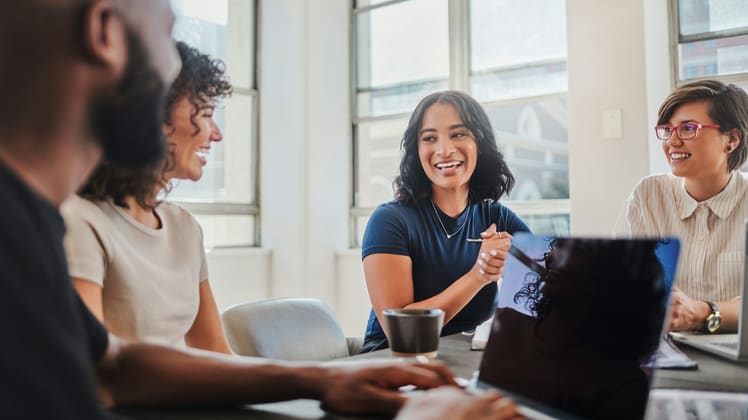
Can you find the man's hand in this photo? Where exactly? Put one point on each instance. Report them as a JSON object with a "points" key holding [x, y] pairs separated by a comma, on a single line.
{"points": [[452, 403], [374, 390], [686, 314]]}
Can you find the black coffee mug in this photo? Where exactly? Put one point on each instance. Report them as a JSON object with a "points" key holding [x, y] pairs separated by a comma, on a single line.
{"points": [[413, 332]]}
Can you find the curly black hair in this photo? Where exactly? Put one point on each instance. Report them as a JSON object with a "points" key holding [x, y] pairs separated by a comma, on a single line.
{"points": [[492, 177], [202, 80], [614, 290]]}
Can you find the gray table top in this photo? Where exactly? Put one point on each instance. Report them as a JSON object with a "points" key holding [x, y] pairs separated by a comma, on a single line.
{"points": [[713, 374]]}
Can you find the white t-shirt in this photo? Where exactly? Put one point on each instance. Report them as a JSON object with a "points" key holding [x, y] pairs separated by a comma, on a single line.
{"points": [[712, 232], [150, 278]]}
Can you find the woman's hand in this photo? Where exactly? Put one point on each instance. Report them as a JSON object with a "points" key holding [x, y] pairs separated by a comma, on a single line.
{"points": [[686, 313], [492, 255]]}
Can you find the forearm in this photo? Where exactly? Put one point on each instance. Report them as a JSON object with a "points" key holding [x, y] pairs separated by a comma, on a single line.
{"points": [[730, 311], [143, 374], [455, 297]]}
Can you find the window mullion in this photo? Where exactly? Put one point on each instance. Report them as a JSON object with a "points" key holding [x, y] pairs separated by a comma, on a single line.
{"points": [[459, 44]]}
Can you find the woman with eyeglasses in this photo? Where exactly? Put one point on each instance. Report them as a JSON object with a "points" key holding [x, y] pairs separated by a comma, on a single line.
{"points": [[703, 127]]}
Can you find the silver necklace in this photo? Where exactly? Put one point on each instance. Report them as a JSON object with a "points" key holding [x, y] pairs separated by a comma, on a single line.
{"points": [[449, 235]]}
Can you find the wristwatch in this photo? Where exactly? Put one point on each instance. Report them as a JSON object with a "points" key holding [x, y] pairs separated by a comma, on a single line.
{"points": [[713, 320]]}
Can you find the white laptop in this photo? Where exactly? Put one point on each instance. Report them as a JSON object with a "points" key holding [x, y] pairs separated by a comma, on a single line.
{"points": [[730, 346]]}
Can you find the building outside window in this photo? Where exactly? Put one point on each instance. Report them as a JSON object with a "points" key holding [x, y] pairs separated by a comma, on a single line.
{"points": [[510, 56], [225, 201], [710, 40]]}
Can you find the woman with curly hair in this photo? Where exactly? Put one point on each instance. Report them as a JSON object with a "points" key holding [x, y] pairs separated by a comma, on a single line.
{"points": [[419, 251], [139, 263]]}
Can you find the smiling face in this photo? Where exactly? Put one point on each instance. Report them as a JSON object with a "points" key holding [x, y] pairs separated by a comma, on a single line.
{"points": [[446, 148], [702, 157], [190, 138]]}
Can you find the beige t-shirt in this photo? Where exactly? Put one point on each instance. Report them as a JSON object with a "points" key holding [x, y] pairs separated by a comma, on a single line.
{"points": [[150, 278], [712, 232]]}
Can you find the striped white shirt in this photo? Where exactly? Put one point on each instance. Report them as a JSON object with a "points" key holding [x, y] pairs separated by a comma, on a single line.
{"points": [[712, 232]]}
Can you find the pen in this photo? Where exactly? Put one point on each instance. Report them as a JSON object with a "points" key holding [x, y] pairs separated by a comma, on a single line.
{"points": [[522, 257]]}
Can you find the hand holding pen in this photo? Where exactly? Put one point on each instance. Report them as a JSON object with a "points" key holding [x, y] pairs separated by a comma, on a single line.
{"points": [[492, 254]]}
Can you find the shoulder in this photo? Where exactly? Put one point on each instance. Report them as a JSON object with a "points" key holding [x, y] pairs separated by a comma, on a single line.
{"points": [[77, 210], [393, 211], [742, 179], [656, 183], [174, 214]]}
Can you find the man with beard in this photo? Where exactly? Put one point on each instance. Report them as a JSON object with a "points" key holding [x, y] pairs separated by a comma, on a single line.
{"points": [[81, 79]]}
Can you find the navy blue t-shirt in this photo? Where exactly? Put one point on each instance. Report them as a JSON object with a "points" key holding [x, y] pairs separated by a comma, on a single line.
{"points": [[414, 231]]}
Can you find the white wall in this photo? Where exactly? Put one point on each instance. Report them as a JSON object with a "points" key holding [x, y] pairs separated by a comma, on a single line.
{"points": [[607, 64], [617, 60]]}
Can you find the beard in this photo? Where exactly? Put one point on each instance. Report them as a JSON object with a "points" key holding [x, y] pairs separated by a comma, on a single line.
{"points": [[128, 122]]}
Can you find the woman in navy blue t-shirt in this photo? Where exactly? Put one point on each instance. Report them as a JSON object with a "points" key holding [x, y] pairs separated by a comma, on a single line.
{"points": [[416, 252]]}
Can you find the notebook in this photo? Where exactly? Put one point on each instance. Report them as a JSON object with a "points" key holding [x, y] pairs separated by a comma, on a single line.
{"points": [[730, 346], [576, 318]]}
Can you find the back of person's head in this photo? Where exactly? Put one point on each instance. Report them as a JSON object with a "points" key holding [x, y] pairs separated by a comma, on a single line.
{"points": [[612, 293], [202, 80], [492, 177], [728, 108]]}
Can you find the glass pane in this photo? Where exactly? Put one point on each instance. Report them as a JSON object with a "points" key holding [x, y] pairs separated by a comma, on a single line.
{"points": [[364, 3], [202, 25], [222, 231], [547, 224], [528, 81], [400, 99], [505, 35], [717, 57], [240, 43], [699, 16], [534, 139], [224, 29], [228, 175], [403, 42], [361, 222], [378, 161]]}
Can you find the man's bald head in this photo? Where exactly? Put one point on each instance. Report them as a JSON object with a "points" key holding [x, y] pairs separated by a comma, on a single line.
{"points": [[113, 59]]}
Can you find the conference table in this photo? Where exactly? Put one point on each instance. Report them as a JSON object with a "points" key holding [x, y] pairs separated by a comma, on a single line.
{"points": [[712, 374]]}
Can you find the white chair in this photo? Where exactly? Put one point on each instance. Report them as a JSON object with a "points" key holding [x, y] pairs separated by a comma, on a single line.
{"points": [[287, 329]]}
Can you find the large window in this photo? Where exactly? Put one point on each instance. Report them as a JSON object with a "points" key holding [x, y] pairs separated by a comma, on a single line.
{"points": [[711, 38], [224, 201], [509, 55]]}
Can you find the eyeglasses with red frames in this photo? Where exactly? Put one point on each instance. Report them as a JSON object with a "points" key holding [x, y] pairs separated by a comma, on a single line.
{"points": [[685, 131]]}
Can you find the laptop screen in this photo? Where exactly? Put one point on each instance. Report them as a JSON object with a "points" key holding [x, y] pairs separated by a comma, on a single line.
{"points": [[576, 319]]}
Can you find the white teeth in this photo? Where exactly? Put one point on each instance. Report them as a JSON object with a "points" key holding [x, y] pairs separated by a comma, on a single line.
{"points": [[446, 165], [678, 156], [202, 153]]}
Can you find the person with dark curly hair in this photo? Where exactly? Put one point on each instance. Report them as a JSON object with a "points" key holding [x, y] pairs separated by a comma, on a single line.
{"points": [[137, 262], [420, 250], [582, 346], [702, 127]]}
